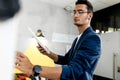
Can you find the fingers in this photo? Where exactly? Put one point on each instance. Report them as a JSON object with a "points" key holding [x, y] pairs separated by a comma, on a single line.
{"points": [[41, 49], [18, 67], [20, 54], [39, 44], [23, 63], [19, 58], [18, 62]]}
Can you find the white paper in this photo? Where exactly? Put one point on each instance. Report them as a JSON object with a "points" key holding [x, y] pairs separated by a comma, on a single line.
{"points": [[38, 40]]}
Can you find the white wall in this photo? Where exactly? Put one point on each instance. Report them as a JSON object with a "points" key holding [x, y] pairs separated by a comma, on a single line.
{"points": [[50, 19], [110, 46]]}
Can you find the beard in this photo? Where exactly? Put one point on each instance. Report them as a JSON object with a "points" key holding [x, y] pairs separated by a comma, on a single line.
{"points": [[78, 25]]}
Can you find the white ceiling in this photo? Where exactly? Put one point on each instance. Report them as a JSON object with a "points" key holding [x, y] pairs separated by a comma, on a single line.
{"points": [[97, 4]]}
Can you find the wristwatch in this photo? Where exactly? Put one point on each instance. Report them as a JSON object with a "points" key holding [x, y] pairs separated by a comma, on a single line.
{"points": [[36, 70]]}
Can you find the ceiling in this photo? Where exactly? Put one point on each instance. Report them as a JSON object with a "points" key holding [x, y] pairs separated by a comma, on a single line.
{"points": [[69, 4]]}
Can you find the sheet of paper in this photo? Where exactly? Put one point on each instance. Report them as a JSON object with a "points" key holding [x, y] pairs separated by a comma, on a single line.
{"points": [[38, 40]]}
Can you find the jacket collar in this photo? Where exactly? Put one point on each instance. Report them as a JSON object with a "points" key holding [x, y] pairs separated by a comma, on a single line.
{"points": [[84, 34]]}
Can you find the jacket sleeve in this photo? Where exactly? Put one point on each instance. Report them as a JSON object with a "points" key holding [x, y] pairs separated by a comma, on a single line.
{"points": [[63, 60], [85, 60]]}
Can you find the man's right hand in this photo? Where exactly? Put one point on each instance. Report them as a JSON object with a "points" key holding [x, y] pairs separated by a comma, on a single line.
{"points": [[42, 50], [51, 55]]}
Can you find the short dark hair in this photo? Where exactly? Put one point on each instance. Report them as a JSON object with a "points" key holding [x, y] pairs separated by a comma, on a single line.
{"points": [[87, 3], [8, 8]]}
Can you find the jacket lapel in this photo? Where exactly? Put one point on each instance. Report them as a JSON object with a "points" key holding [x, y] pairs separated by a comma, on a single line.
{"points": [[72, 49], [82, 38], [76, 46]]}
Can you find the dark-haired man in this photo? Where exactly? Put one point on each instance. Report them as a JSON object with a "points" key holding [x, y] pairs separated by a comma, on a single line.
{"points": [[80, 61]]}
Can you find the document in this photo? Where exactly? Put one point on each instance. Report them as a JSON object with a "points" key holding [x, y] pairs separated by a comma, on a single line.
{"points": [[39, 42]]}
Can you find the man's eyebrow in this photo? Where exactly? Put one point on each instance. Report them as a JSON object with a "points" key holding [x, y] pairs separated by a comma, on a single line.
{"points": [[78, 10]]}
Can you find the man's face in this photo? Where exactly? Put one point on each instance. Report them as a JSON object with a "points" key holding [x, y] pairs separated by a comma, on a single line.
{"points": [[81, 15]]}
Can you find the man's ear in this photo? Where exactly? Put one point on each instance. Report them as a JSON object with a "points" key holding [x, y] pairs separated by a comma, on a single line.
{"points": [[90, 16]]}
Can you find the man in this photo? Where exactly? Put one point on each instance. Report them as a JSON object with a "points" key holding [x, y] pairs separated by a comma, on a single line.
{"points": [[80, 61]]}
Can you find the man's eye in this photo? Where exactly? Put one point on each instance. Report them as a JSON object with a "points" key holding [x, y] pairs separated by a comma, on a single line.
{"points": [[80, 12]]}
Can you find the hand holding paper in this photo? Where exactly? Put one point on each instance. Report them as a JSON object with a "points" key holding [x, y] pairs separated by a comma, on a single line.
{"points": [[39, 42]]}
